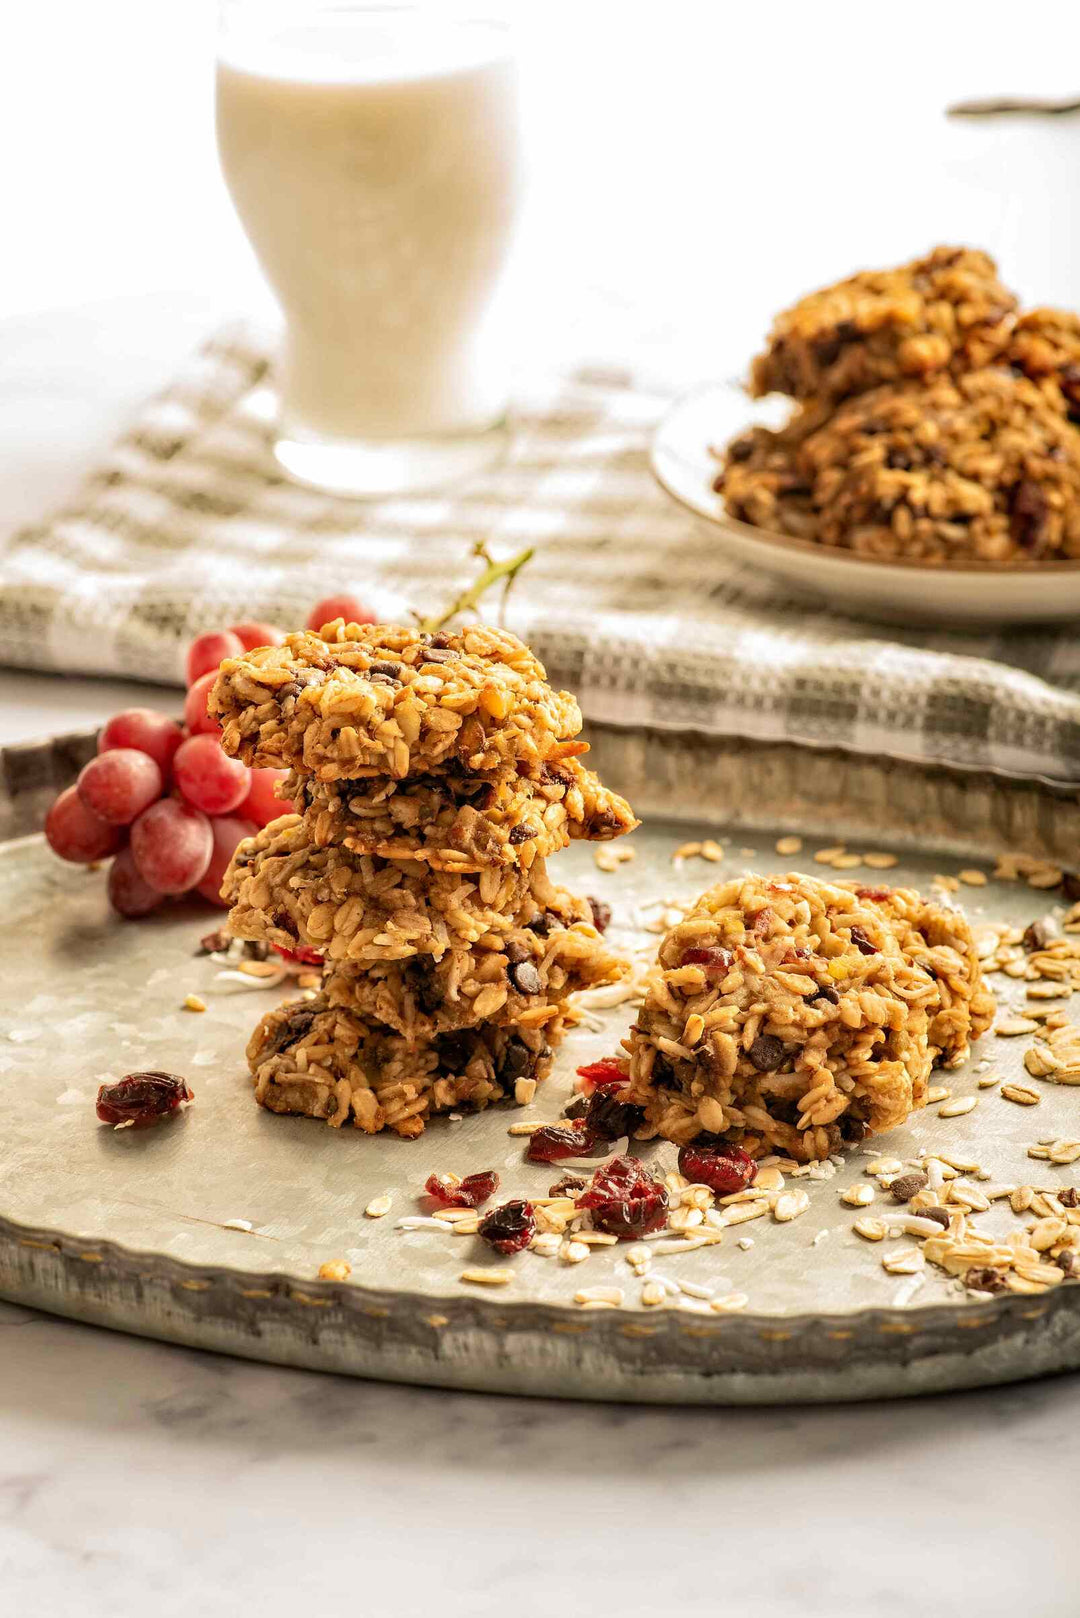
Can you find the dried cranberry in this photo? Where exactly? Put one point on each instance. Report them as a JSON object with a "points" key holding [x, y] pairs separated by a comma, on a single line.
{"points": [[724, 1169], [875, 895], [606, 1071], [601, 913], [509, 1227], [301, 955], [716, 961], [827, 993], [608, 1117], [624, 1199], [766, 1053], [142, 1098], [556, 1141], [567, 1186], [863, 942], [467, 1193], [762, 922]]}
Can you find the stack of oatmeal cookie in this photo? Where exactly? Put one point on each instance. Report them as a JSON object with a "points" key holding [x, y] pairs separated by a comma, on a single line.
{"points": [[434, 774], [930, 423]]}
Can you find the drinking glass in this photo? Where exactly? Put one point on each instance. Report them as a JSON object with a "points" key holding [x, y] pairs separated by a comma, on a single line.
{"points": [[373, 156]]}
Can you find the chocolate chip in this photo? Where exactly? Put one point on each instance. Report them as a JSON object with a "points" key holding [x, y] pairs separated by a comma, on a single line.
{"points": [[862, 942], [741, 449], [938, 1215], [441, 639], [516, 1061], [985, 1279], [905, 1186], [601, 913], [1069, 1196], [526, 978], [1065, 1261], [435, 655], [515, 952], [766, 1053], [292, 1028], [389, 671], [826, 992], [522, 832]]}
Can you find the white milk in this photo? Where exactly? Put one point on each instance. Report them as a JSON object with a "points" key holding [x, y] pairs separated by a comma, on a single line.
{"points": [[374, 162]]}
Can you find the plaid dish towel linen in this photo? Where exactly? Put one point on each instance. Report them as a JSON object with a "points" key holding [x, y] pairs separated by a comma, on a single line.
{"points": [[188, 524]]}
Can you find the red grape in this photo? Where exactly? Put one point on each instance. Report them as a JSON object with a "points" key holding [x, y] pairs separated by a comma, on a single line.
{"points": [[73, 832], [253, 634], [196, 718], [206, 652], [118, 785], [129, 895], [347, 607], [228, 832], [208, 778], [260, 805], [172, 843], [145, 730]]}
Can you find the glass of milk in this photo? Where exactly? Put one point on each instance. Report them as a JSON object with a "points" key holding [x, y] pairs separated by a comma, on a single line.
{"points": [[373, 156]]}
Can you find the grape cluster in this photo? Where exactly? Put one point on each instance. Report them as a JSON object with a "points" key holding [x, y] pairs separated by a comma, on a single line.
{"points": [[161, 799]]}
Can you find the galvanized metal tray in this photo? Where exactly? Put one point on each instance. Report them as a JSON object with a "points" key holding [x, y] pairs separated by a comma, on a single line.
{"points": [[210, 1230]]}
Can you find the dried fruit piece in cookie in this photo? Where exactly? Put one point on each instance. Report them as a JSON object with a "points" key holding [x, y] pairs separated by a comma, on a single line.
{"points": [[378, 699], [319, 1061], [815, 1035], [947, 310]]}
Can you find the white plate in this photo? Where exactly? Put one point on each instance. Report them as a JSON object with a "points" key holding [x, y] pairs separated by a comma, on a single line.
{"points": [[907, 592]]}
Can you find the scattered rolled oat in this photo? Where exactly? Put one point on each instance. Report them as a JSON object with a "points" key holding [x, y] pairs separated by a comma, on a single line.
{"points": [[858, 1196], [378, 1206], [937, 1092], [789, 845], [729, 1303], [789, 1205], [487, 1278], [974, 879], [881, 862], [611, 1295], [1022, 1094], [905, 1261], [871, 1230], [957, 1108], [193, 1003]]}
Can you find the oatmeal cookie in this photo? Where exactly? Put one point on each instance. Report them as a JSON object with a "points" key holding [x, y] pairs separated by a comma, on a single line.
{"points": [[520, 978], [947, 311], [460, 822], [783, 1015], [980, 468], [360, 909], [361, 700], [323, 1062], [938, 939], [1045, 345]]}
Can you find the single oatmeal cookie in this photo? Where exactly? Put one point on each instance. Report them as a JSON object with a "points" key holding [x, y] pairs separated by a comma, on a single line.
{"points": [[323, 1062], [783, 1015], [363, 700], [360, 909], [460, 822], [947, 311], [520, 978], [980, 468], [1045, 345], [939, 940]]}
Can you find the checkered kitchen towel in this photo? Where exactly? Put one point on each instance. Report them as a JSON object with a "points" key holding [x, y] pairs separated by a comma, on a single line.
{"points": [[187, 525]]}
